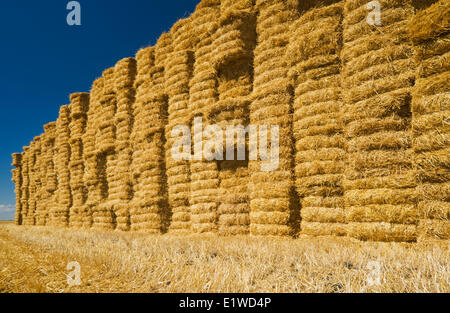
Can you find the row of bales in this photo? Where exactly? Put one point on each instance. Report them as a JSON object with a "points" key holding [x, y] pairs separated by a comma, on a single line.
{"points": [[362, 112]]}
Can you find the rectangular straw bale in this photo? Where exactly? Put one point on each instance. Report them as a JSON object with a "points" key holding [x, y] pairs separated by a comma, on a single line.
{"points": [[236, 36], [162, 49], [183, 37]]}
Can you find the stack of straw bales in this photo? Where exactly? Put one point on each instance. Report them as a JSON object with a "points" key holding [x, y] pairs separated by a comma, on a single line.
{"points": [[319, 161], [272, 204], [430, 33], [17, 179], [363, 127], [25, 184], [34, 182], [124, 77], [79, 107], [104, 216], [203, 192], [149, 206], [51, 182], [61, 210], [142, 161], [378, 72], [154, 213], [93, 178], [234, 42], [178, 72], [41, 199]]}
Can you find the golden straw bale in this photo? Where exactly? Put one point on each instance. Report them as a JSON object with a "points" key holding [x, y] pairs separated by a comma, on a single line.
{"points": [[430, 23], [269, 230], [382, 232], [206, 4], [79, 104], [398, 14], [162, 49], [323, 228], [182, 35], [436, 47], [145, 59], [434, 229]]}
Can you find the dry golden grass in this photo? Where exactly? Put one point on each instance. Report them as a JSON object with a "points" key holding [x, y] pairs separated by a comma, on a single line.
{"points": [[34, 259]]}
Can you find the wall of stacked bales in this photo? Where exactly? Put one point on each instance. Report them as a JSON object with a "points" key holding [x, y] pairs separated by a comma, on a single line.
{"points": [[362, 112]]}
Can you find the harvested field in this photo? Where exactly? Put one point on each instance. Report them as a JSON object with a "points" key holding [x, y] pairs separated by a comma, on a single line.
{"points": [[34, 259]]}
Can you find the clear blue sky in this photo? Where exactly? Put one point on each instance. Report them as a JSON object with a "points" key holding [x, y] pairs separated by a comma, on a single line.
{"points": [[43, 60]]}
